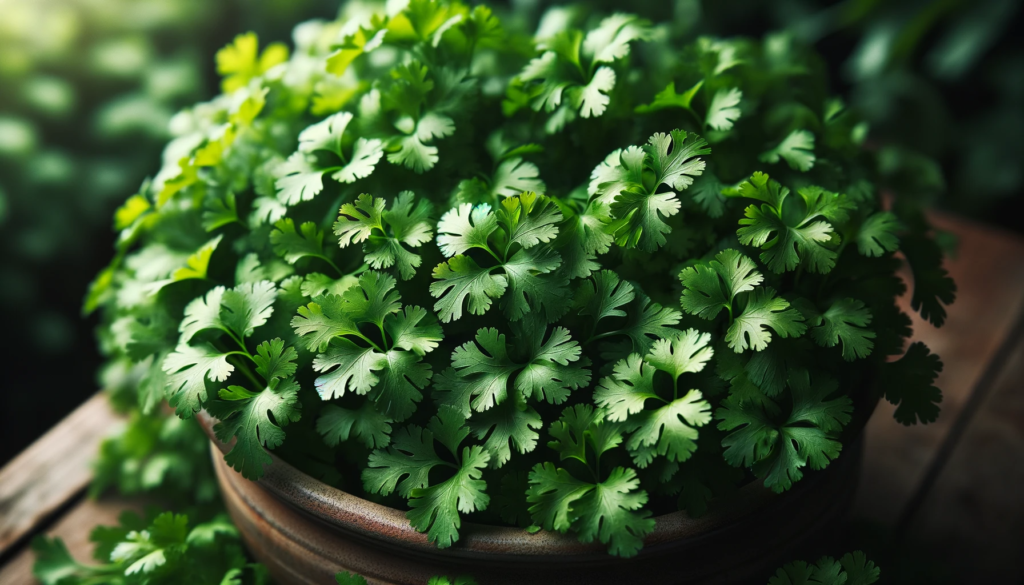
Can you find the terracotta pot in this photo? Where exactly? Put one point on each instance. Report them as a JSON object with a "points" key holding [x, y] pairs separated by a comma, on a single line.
{"points": [[305, 531]]}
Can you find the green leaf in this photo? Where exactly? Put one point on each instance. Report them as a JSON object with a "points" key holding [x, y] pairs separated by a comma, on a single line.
{"points": [[299, 179], [687, 353], [370, 427], [513, 423], [764, 310], [610, 41], [788, 240], [357, 222], [602, 295], [708, 288], [248, 306], [909, 383], [274, 361], [668, 98], [627, 389], [365, 155], [247, 418], [188, 368], [722, 112], [346, 578], [435, 509], [846, 321], [638, 209], [347, 366], [325, 134], [529, 219], [933, 287], [292, 246], [219, 212], [552, 493], [612, 513], [459, 278], [464, 228], [797, 148], [646, 322], [202, 313], [777, 452], [514, 176], [877, 235]]}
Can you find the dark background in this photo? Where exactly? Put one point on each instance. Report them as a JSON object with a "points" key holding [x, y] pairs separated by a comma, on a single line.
{"points": [[970, 122]]}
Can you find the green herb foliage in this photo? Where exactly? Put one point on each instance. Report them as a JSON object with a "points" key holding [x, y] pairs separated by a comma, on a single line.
{"points": [[567, 280], [162, 548], [852, 569]]}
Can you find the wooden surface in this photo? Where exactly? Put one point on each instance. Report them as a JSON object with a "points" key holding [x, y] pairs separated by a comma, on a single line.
{"points": [[53, 470], [972, 519]]}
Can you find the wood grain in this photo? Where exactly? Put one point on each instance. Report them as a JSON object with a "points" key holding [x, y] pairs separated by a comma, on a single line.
{"points": [[989, 272], [74, 527], [52, 470], [975, 512]]}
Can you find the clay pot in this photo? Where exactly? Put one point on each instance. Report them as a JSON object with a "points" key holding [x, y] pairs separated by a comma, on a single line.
{"points": [[305, 531]]}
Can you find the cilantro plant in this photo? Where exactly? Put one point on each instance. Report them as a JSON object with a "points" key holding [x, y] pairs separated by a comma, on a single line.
{"points": [[567, 280], [161, 548]]}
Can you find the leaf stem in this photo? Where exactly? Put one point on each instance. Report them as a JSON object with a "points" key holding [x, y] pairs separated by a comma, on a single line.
{"points": [[247, 372]]}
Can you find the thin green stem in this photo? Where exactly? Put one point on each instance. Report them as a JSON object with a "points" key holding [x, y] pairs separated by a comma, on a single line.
{"points": [[602, 336], [370, 341], [329, 261], [239, 342], [247, 373]]}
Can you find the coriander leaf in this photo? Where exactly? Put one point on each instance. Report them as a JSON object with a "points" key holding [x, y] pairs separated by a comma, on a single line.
{"points": [[299, 180], [708, 288], [646, 322], [529, 219], [219, 212], [247, 418], [464, 228], [797, 148], [687, 353], [602, 295], [722, 113], [593, 97], [552, 493], [514, 176], [933, 287], [240, 60], [292, 246], [513, 423], [435, 509], [414, 330], [581, 237], [909, 383], [483, 369], [248, 306], [325, 134], [322, 320], [528, 288], [460, 277], [347, 366], [877, 235], [337, 424], [846, 320], [794, 239], [707, 192], [627, 389], [274, 361], [668, 98], [202, 313], [859, 570], [763, 310], [365, 155], [188, 367], [610, 41], [612, 513], [356, 222]]}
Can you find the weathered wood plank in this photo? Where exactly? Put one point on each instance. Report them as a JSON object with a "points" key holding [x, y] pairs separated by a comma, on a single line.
{"points": [[74, 527], [975, 512], [52, 470], [989, 271]]}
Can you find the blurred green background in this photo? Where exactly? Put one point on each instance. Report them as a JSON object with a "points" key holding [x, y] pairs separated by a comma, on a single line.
{"points": [[89, 88]]}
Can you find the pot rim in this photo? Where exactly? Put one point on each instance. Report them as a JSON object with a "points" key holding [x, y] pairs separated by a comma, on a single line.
{"points": [[390, 527]]}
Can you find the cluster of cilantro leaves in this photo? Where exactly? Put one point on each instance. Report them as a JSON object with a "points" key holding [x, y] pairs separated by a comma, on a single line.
{"points": [[450, 265], [853, 568], [158, 548]]}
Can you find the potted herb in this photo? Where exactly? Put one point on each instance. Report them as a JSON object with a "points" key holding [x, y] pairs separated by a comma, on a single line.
{"points": [[522, 306]]}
